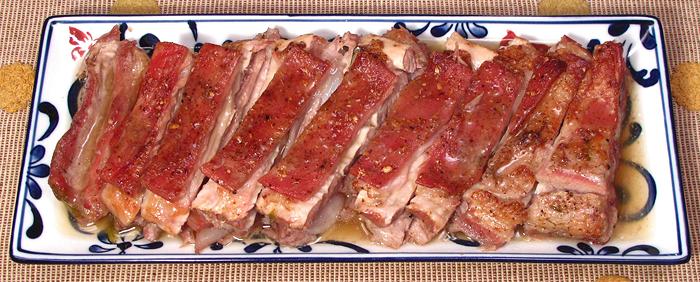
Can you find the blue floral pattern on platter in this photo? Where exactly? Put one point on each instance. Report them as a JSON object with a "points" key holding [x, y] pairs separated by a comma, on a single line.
{"points": [[36, 170], [647, 39], [622, 30], [465, 29], [122, 244], [586, 249], [254, 247]]}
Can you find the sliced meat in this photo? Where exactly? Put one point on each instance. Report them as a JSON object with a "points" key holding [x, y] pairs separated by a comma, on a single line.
{"points": [[457, 161], [576, 181], [392, 235], [509, 176], [320, 148], [586, 151], [256, 59], [214, 78], [113, 70], [384, 174], [315, 68], [301, 183], [431, 209], [131, 68], [485, 218], [326, 216], [583, 216], [173, 174], [137, 139]]}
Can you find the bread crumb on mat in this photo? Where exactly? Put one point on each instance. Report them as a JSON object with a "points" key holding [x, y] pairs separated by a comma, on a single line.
{"points": [[613, 278], [135, 7], [685, 85], [16, 84], [563, 7]]}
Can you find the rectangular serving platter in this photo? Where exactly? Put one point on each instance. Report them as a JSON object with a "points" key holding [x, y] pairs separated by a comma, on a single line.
{"points": [[653, 224]]}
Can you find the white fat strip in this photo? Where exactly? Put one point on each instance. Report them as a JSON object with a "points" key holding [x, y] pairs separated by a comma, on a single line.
{"points": [[395, 51], [167, 215], [479, 54], [305, 39], [102, 58]]}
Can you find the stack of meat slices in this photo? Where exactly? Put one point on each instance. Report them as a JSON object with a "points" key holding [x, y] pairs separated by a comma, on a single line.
{"points": [[383, 176], [301, 198], [307, 72], [494, 206], [114, 72], [575, 196], [286, 136]]}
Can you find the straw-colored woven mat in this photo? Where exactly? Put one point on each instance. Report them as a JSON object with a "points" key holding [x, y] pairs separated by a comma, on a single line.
{"points": [[20, 25]]}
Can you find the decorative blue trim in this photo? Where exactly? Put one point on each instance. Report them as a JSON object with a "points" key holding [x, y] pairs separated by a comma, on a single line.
{"points": [[122, 245], [36, 170], [193, 28], [73, 95], [651, 193], [635, 130], [50, 111], [671, 148], [641, 77], [440, 30], [37, 227], [351, 246], [591, 44], [646, 37], [585, 249], [371, 18], [147, 42], [650, 250], [257, 246], [123, 27], [74, 223], [463, 242], [216, 246], [415, 32]]}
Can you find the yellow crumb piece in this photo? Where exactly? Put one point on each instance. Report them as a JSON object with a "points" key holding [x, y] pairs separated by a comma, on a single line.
{"points": [[685, 85], [613, 278], [135, 7], [563, 7], [16, 84]]}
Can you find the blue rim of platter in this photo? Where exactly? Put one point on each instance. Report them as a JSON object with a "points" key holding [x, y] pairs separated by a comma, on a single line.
{"points": [[18, 254]]}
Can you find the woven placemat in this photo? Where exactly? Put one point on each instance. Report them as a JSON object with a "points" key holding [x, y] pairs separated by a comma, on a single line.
{"points": [[20, 26]]}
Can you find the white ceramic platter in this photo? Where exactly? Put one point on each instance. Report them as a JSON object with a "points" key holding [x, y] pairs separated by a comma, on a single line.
{"points": [[652, 228]]}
